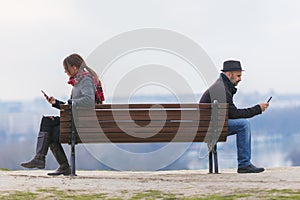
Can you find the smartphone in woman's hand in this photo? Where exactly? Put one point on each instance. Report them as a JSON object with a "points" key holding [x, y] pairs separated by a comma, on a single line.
{"points": [[49, 99], [45, 95]]}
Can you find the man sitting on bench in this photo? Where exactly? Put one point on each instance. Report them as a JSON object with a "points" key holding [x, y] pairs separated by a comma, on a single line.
{"points": [[237, 122]]}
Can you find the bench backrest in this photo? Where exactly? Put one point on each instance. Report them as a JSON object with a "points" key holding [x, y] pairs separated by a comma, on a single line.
{"points": [[140, 123]]}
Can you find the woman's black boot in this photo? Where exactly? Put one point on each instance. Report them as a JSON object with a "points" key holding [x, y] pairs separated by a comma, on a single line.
{"points": [[41, 151], [60, 156]]}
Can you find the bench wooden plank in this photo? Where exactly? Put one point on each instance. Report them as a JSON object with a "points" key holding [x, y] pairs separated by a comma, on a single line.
{"points": [[138, 129], [99, 112], [141, 115], [132, 123], [141, 140], [132, 106]]}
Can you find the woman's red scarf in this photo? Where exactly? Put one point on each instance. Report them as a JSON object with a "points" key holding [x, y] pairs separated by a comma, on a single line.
{"points": [[99, 94]]}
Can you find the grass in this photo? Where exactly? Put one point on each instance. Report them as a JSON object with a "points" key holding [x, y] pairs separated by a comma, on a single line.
{"points": [[51, 193], [19, 196], [219, 197], [55, 193], [257, 194], [4, 169], [282, 194], [153, 194]]}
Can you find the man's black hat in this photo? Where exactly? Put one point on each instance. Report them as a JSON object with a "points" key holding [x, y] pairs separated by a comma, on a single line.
{"points": [[232, 65]]}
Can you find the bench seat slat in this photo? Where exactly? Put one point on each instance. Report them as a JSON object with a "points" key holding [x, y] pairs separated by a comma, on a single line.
{"points": [[138, 106], [143, 118], [202, 112], [140, 129], [130, 139], [141, 124]]}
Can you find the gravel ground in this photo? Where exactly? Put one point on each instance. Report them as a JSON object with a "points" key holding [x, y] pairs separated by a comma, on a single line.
{"points": [[182, 183]]}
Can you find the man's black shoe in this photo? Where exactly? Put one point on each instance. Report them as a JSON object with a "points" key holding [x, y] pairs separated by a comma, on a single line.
{"points": [[250, 169]]}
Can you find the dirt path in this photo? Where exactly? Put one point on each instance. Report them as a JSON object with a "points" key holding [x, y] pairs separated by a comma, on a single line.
{"points": [[191, 183]]}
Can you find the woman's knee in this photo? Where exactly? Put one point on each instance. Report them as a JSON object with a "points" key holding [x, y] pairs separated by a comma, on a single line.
{"points": [[44, 126], [47, 122]]}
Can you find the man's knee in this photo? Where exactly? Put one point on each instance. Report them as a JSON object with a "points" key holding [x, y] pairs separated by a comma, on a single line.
{"points": [[245, 123], [238, 125]]}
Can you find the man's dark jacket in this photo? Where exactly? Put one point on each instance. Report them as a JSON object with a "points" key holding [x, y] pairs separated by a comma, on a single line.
{"points": [[223, 91]]}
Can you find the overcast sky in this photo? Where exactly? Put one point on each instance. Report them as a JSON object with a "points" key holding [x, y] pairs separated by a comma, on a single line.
{"points": [[37, 35]]}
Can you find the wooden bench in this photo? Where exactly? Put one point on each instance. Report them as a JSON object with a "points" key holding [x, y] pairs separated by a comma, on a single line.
{"points": [[133, 123]]}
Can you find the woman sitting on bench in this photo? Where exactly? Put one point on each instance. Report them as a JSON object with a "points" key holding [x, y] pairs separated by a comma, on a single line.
{"points": [[86, 91]]}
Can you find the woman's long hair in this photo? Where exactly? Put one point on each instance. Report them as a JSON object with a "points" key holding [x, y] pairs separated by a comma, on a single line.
{"points": [[77, 61]]}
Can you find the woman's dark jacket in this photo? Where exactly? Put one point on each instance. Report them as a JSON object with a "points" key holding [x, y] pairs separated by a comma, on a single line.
{"points": [[223, 91]]}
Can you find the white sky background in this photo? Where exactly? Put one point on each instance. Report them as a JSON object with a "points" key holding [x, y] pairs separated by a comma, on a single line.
{"points": [[36, 36]]}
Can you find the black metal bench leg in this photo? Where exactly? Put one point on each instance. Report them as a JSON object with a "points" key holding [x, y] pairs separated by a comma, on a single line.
{"points": [[210, 162], [73, 167], [216, 159]]}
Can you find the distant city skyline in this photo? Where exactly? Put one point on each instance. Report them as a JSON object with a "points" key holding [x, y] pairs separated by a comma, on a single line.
{"points": [[275, 136], [37, 35]]}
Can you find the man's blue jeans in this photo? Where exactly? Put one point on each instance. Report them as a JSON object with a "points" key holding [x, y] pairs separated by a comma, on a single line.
{"points": [[241, 127]]}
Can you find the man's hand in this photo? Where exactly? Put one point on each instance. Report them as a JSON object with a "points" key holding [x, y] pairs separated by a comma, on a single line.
{"points": [[264, 106]]}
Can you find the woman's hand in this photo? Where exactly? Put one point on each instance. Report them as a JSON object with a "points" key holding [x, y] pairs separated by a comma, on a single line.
{"points": [[51, 100]]}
